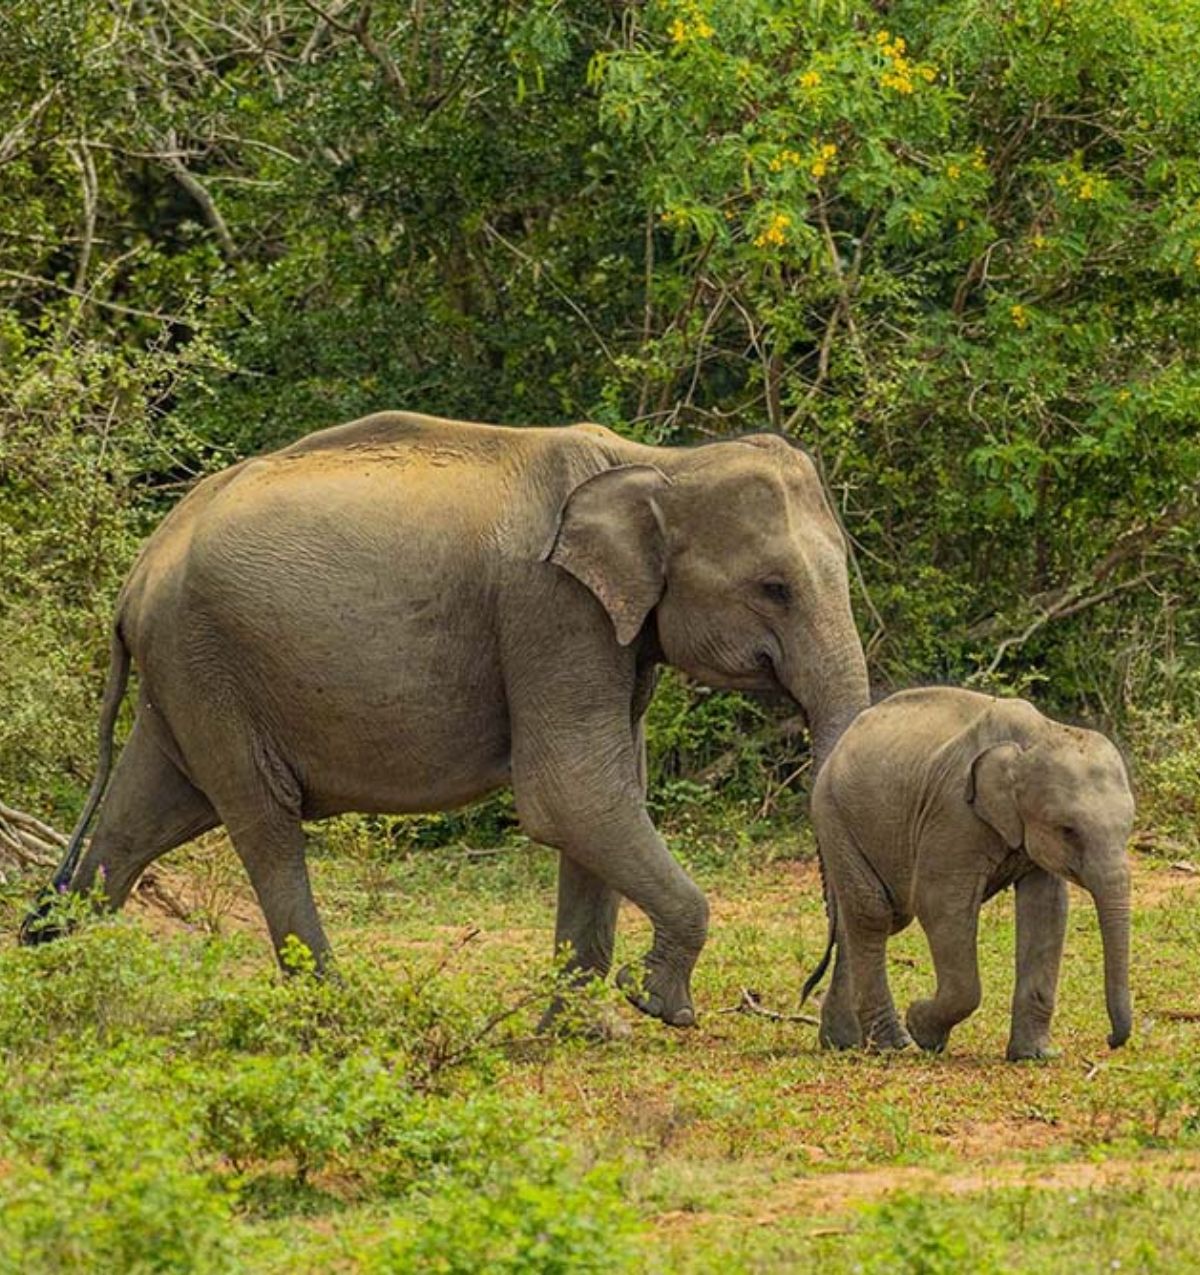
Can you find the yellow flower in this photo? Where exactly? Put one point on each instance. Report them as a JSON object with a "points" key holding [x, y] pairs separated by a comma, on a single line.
{"points": [[1087, 189], [899, 75], [1019, 316], [1123, 396], [961, 223], [776, 232], [821, 161], [979, 158], [681, 31], [1039, 242], [810, 79], [785, 159], [953, 172]]}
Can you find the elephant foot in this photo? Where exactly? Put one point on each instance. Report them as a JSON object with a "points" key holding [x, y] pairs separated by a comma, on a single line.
{"points": [[888, 1037], [659, 991], [924, 1029], [39, 925], [1030, 1053], [1030, 1047], [839, 1030]]}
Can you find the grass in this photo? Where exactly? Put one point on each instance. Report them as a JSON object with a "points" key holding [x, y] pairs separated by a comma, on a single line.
{"points": [[170, 1104]]}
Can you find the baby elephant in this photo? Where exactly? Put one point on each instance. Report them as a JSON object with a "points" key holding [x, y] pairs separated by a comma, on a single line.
{"points": [[933, 801]]}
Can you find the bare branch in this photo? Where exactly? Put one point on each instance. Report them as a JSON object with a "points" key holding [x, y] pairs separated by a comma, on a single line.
{"points": [[360, 29], [82, 155], [199, 192], [11, 141], [751, 1004], [539, 269], [89, 297]]}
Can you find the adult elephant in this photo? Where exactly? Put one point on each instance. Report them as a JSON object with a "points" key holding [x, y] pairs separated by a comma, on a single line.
{"points": [[405, 613]]}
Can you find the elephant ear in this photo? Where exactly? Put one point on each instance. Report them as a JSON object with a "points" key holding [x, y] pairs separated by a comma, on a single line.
{"points": [[611, 537], [992, 791]]}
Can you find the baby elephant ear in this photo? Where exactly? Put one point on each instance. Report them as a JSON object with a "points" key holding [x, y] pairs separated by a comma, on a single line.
{"points": [[610, 537], [992, 791]]}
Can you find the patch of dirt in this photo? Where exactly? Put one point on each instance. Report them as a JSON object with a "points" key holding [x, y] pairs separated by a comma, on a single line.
{"points": [[832, 1193], [979, 1139], [169, 900], [1159, 883]]}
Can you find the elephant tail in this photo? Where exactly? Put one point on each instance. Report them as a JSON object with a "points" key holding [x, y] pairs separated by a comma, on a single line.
{"points": [[811, 982], [114, 692]]}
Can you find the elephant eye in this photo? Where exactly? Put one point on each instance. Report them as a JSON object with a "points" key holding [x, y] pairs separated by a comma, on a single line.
{"points": [[777, 591]]}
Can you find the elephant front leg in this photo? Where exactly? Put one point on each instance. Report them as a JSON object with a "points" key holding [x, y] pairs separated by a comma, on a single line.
{"points": [[1041, 930], [597, 820]]}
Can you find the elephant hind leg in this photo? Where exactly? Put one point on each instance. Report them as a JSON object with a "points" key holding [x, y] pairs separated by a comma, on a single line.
{"points": [[270, 843], [859, 1008], [150, 807], [839, 1021], [951, 928], [587, 927]]}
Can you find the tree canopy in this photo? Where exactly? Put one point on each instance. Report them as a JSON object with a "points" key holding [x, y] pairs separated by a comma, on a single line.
{"points": [[952, 247]]}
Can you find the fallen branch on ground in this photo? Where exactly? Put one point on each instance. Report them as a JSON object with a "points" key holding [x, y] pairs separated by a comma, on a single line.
{"points": [[751, 1004], [32, 843]]}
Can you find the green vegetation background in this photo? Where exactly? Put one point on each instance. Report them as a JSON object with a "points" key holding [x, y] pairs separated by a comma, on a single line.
{"points": [[953, 247]]}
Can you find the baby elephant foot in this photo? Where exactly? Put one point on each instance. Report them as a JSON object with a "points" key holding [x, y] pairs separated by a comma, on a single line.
{"points": [[887, 1037], [925, 1028], [658, 990], [1023, 1048], [839, 1030]]}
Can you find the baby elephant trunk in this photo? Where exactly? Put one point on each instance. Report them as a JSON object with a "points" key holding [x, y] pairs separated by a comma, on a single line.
{"points": [[1110, 890]]}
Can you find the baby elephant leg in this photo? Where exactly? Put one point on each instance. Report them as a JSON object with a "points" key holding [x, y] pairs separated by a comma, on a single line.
{"points": [[951, 926], [839, 1020], [878, 1021], [1041, 929], [858, 1008]]}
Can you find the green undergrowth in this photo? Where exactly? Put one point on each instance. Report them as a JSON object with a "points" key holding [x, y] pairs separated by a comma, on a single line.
{"points": [[170, 1103]]}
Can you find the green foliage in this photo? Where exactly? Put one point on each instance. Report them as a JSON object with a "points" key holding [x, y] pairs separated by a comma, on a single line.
{"points": [[157, 1106], [514, 1222], [953, 249]]}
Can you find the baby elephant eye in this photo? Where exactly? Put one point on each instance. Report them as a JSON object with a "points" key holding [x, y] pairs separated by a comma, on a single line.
{"points": [[777, 591]]}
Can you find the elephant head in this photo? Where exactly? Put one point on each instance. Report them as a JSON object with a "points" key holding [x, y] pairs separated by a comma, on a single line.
{"points": [[1063, 794], [731, 550]]}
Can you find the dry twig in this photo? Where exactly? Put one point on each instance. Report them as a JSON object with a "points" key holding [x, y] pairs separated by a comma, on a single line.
{"points": [[751, 1004]]}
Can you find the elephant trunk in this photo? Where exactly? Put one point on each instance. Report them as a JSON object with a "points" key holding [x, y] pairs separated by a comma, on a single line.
{"points": [[832, 690], [1111, 894]]}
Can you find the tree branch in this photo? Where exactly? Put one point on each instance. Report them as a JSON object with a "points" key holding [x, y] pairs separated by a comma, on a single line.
{"points": [[199, 192]]}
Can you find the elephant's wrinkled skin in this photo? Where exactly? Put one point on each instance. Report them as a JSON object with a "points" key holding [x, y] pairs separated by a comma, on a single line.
{"points": [[405, 613], [932, 802]]}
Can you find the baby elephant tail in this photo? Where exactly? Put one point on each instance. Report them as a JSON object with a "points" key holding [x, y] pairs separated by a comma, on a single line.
{"points": [[810, 983]]}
